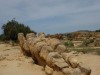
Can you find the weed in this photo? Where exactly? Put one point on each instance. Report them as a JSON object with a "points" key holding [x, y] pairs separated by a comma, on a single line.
{"points": [[69, 44]]}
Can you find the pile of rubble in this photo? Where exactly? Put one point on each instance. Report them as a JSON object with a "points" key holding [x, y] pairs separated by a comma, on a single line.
{"points": [[51, 54]]}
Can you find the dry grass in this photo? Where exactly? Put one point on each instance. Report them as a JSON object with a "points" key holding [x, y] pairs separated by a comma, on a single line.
{"points": [[86, 49]]}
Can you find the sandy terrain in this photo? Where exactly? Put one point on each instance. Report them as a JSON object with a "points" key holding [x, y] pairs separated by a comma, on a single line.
{"points": [[93, 61], [13, 62]]}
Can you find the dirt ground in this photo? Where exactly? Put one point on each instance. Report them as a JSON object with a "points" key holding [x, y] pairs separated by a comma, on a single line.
{"points": [[13, 62]]}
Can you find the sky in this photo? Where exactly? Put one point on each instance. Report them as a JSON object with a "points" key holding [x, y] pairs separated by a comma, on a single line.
{"points": [[52, 16]]}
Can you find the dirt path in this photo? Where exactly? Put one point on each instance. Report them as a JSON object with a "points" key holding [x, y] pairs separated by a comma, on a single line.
{"points": [[12, 62], [93, 61]]}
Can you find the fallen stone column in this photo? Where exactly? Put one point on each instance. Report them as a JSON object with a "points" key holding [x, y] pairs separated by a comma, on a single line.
{"points": [[51, 54]]}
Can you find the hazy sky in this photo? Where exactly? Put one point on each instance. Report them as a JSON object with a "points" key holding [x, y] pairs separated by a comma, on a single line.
{"points": [[52, 16]]}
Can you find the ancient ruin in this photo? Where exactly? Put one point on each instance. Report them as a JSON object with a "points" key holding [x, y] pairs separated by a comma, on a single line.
{"points": [[51, 54]]}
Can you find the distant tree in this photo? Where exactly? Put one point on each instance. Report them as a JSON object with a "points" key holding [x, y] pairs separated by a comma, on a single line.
{"points": [[1, 37], [69, 36], [97, 30], [12, 28]]}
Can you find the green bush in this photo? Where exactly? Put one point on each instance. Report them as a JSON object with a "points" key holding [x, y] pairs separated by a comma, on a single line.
{"points": [[12, 28], [97, 30], [68, 43]]}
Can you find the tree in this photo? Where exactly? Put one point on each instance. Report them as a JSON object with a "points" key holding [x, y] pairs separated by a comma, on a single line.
{"points": [[12, 28], [97, 30], [69, 36]]}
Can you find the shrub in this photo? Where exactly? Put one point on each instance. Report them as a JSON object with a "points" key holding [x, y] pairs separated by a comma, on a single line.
{"points": [[68, 43], [97, 30]]}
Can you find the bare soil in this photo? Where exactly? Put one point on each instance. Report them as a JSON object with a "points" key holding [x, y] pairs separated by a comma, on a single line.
{"points": [[93, 61], [13, 62]]}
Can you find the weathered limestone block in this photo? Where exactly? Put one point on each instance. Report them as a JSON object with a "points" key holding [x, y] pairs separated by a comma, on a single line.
{"points": [[36, 53], [77, 71], [33, 42], [84, 69], [30, 35], [29, 42], [73, 61], [45, 51], [53, 43], [65, 56], [71, 71], [60, 48], [79, 68], [50, 59], [21, 39], [39, 46], [24, 44], [56, 61], [48, 70], [26, 49], [68, 71], [36, 40], [61, 65], [41, 35]]}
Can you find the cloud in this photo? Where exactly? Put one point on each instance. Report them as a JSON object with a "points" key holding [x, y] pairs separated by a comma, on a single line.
{"points": [[37, 9], [52, 14]]}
